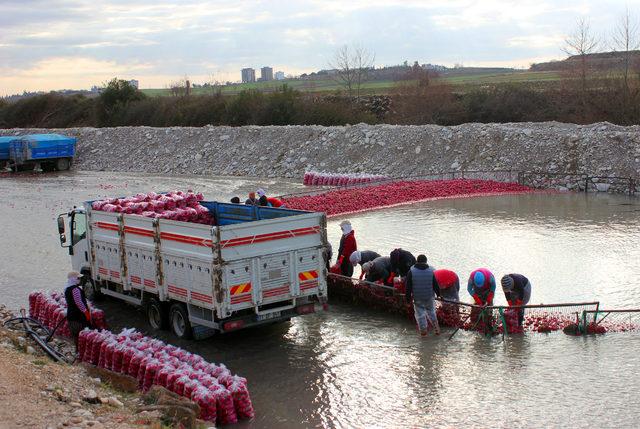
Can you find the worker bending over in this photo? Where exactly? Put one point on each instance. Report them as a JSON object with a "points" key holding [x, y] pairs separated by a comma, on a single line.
{"points": [[422, 285], [449, 284], [378, 270], [362, 257], [401, 263], [517, 291], [482, 286]]}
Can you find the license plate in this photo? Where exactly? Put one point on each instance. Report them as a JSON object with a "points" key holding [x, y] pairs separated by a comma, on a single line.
{"points": [[268, 316]]}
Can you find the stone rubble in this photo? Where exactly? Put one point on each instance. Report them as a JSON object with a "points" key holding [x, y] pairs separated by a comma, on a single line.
{"points": [[566, 150]]}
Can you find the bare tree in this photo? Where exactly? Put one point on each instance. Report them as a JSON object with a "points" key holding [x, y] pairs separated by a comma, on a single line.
{"points": [[180, 87], [626, 38], [581, 43], [352, 67]]}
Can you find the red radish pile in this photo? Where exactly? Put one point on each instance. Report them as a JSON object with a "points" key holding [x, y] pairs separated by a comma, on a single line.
{"points": [[223, 397], [319, 178], [343, 201], [175, 205], [50, 309]]}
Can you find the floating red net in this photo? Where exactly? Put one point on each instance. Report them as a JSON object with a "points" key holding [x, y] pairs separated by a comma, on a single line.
{"points": [[571, 318], [352, 200]]}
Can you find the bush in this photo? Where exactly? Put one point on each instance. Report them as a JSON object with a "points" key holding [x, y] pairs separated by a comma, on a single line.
{"points": [[48, 111], [113, 101]]}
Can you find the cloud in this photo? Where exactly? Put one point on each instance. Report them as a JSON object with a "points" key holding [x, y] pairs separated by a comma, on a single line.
{"points": [[154, 40]]}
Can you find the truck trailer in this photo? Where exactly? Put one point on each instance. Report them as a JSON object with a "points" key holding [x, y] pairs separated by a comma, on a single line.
{"points": [[49, 151], [256, 265]]}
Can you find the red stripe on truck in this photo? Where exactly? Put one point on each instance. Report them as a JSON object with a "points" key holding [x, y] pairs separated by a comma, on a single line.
{"points": [[177, 290], [202, 297], [261, 238], [275, 292], [308, 285], [241, 299], [138, 231], [187, 239], [105, 225]]}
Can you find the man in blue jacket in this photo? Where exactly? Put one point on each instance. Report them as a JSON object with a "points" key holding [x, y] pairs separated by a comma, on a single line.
{"points": [[422, 286]]}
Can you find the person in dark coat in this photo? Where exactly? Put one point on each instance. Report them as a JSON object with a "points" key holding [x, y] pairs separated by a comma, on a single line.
{"points": [[78, 311], [235, 200], [378, 269], [263, 201], [422, 286], [362, 257], [252, 200], [517, 291], [348, 245], [401, 262]]}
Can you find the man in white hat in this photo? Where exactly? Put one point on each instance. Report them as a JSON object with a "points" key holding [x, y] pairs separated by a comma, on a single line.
{"points": [[348, 245], [78, 311], [362, 258]]}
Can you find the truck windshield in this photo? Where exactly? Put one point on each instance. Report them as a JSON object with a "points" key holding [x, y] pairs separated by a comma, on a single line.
{"points": [[79, 227]]}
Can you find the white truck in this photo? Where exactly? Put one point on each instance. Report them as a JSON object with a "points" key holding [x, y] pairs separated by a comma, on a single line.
{"points": [[256, 265]]}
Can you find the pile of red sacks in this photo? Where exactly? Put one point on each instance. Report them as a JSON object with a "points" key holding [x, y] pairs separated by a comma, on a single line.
{"points": [[50, 309], [318, 178], [351, 200], [223, 397], [174, 205]]}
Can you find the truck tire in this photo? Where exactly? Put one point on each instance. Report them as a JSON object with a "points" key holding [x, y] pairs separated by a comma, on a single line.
{"points": [[91, 291], [63, 164], [157, 315], [179, 321]]}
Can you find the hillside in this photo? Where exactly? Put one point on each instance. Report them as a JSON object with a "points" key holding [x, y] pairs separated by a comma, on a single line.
{"points": [[467, 76], [599, 61]]}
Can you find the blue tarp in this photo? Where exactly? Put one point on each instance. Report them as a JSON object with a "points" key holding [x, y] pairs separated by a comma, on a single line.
{"points": [[4, 146], [228, 213], [41, 146]]}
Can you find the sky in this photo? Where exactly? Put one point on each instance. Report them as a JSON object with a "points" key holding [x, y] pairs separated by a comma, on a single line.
{"points": [[58, 44]]}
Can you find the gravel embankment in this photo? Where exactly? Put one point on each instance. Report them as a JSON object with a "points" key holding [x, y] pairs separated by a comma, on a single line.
{"points": [[599, 149]]}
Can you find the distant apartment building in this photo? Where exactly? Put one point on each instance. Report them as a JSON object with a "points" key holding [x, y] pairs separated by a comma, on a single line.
{"points": [[279, 75], [248, 75], [266, 74], [134, 83]]}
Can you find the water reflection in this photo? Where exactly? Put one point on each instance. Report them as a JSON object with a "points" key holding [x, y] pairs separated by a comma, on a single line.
{"points": [[352, 367]]}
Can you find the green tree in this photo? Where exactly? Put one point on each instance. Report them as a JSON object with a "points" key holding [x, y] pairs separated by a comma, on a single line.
{"points": [[113, 101]]}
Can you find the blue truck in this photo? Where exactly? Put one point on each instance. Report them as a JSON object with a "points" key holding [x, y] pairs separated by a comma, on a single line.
{"points": [[50, 151]]}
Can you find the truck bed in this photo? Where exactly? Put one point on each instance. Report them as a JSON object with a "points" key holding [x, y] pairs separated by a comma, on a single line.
{"points": [[256, 260]]}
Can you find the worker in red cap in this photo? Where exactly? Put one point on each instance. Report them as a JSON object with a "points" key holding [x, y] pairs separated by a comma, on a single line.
{"points": [[78, 311], [449, 284], [348, 245]]}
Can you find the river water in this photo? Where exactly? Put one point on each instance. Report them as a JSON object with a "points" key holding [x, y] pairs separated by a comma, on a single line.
{"points": [[352, 367]]}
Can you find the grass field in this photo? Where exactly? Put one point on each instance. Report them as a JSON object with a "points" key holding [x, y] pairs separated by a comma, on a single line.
{"points": [[323, 85]]}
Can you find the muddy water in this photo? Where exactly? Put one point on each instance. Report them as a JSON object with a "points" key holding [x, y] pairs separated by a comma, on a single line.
{"points": [[356, 368]]}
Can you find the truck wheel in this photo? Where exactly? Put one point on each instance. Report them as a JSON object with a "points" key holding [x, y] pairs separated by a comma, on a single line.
{"points": [[62, 164], [157, 315], [179, 319], [90, 289]]}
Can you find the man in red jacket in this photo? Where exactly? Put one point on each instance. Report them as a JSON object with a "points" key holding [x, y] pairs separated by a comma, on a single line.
{"points": [[347, 247]]}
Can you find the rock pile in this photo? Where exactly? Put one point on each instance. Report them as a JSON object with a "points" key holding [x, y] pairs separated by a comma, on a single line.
{"points": [[599, 149]]}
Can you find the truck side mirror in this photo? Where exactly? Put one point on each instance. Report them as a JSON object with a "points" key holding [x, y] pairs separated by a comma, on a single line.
{"points": [[61, 231], [60, 225]]}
